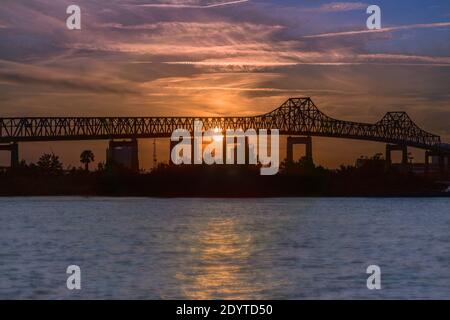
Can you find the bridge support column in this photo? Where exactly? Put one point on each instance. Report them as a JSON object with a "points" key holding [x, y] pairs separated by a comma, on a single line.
{"points": [[402, 148], [291, 141], [441, 164], [14, 155], [448, 163], [247, 151], [224, 147], [441, 161], [124, 153], [171, 146], [231, 152], [13, 148], [427, 161]]}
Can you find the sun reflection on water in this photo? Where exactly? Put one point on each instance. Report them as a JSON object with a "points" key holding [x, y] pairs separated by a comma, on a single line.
{"points": [[221, 267]]}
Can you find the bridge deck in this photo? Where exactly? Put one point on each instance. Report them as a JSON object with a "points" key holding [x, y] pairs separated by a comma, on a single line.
{"points": [[297, 116]]}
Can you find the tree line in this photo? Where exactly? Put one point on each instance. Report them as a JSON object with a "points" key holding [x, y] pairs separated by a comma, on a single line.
{"points": [[50, 163]]}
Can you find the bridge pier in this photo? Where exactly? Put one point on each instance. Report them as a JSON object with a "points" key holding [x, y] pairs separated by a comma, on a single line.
{"points": [[427, 162], [392, 147], [442, 164], [124, 153], [172, 145], [441, 161], [13, 148], [233, 151], [226, 151], [291, 141]]}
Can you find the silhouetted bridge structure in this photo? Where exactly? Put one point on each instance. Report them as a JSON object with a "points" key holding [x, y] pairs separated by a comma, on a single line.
{"points": [[295, 117]]}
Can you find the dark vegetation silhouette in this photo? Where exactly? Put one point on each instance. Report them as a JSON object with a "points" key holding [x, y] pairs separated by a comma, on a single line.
{"points": [[86, 157], [49, 164], [299, 178]]}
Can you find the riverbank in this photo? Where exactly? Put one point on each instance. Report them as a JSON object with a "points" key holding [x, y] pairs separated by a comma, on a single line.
{"points": [[217, 182]]}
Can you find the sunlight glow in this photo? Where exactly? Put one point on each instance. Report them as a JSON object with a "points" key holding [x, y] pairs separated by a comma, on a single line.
{"points": [[218, 137]]}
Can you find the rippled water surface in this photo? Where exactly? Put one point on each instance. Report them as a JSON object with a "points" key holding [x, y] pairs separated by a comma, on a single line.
{"points": [[224, 248]]}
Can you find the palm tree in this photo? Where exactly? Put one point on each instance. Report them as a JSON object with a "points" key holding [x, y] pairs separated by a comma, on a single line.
{"points": [[86, 157]]}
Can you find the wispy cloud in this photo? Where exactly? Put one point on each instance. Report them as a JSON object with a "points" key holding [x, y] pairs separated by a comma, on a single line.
{"points": [[339, 7], [382, 30], [192, 4], [20, 74], [287, 57], [171, 28]]}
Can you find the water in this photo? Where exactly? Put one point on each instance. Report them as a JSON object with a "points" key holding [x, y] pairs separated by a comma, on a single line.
{"points": [[224, 248]]}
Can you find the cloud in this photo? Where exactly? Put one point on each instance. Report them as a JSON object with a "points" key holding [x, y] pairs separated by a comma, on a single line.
{"points": [[399, 58], [30, 77], [382, 30], [61, 83], [340, 6], [192, 4], [169, 29], [246, 60], [330, 58]]}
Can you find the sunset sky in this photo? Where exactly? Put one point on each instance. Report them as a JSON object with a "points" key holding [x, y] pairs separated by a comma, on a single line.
{"points": [[216, 58]]}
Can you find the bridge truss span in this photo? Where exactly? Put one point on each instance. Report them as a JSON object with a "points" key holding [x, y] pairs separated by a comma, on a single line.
{"points": [[297, 116], [301, 116]]}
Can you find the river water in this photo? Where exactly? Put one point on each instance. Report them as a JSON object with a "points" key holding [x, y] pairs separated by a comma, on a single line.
{"points": [[296, 248]]}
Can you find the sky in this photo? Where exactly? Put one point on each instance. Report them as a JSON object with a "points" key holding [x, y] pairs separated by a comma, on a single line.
{"points": [[220, 57]]}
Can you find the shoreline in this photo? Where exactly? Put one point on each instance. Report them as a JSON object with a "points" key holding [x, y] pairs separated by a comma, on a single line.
{"points": [[205, 196], [217, 182]]}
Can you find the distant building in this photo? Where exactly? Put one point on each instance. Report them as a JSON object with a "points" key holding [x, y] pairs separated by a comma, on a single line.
{"points": [[123, 154]]}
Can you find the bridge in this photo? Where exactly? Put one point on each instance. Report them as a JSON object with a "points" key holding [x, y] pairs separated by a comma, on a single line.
{"points": [[296, 117]]}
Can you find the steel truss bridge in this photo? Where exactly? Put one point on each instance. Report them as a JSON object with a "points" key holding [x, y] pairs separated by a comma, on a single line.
{"points": [[297, 116]]}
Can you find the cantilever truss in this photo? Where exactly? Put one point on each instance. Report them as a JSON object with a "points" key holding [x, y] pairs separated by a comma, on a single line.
{"points": [[297, 116]]}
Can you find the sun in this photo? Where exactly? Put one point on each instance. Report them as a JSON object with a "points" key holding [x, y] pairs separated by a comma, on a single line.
{"points": [[218, 136]]}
